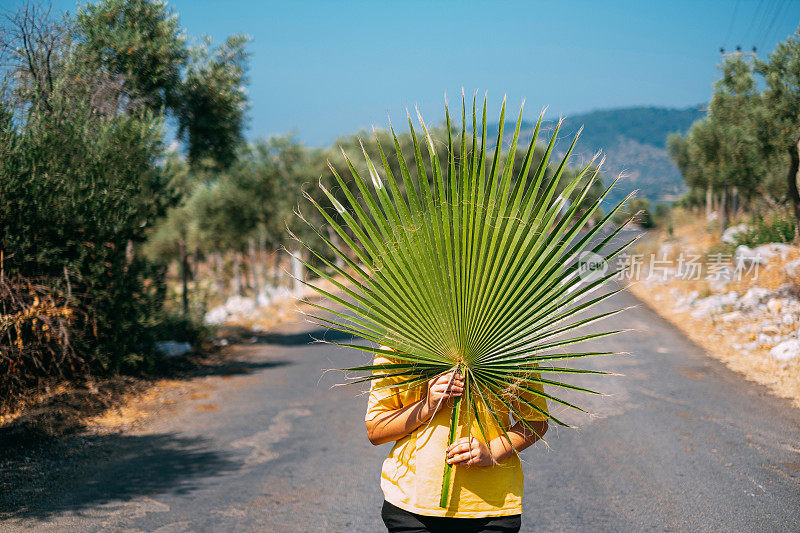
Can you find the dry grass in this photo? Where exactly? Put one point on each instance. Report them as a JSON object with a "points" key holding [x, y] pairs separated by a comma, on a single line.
{"points": [[716, 336], [139, 406]]}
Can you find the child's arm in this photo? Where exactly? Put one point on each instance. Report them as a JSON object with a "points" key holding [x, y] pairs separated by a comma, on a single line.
{"points": [[471, 451], [394, 425]]}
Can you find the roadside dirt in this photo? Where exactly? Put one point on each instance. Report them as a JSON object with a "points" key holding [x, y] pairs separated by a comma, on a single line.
{"points": [[107, 405], [730, 337]]}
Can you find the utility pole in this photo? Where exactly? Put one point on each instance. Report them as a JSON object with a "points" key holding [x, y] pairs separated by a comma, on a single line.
{"points": [[738, 52]]}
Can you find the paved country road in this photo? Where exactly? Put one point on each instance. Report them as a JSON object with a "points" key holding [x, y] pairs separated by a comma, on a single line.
{"points": [[679, 444]]}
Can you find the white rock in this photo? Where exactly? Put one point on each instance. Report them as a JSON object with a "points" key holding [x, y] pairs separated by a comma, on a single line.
{"points": [[216, 316], [788, 319], [787, 290], [772, 249], [173, 348], [769, 327], [745, 256], [682, 303], [766, 340], [786, 351], [730, 317], [774, 305], [792, 268], [753, 297], [729, 298], [729, 235], [239, 305], [263, 298], [712, 304], [747, 347]]}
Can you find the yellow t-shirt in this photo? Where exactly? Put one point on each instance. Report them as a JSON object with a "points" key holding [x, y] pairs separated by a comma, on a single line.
{"points": [[411, 477]]}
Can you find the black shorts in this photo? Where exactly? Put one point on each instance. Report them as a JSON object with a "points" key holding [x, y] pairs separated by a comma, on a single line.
{"points": [[399, 520]]}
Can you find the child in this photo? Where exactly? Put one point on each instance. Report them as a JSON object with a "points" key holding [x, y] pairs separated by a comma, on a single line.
{"points": [[486, 493]]}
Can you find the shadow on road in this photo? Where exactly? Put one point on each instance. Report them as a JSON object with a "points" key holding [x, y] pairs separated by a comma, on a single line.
{"points": [[79, 474], [305, 337], [234, 367], [50, 464]]}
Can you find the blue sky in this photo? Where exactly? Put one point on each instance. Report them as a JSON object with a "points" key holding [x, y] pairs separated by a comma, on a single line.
{"points": [[321, 69]]}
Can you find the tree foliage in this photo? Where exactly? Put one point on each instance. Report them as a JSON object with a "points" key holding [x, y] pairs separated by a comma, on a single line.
{"points": [[749, 140], [85, 179], [211, 112], [138, 41], [80, 185]]}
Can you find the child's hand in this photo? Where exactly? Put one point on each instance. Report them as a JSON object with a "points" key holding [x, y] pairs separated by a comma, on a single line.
{"points": [[469, 451], [438, 391]]}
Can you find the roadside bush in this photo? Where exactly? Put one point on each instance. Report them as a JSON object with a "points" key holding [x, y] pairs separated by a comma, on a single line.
{"points": [[83, 179], [774, 227], [36, 333], [80, 186]]}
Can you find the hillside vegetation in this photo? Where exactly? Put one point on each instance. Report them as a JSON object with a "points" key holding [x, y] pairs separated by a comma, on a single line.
{"points": [[634, 142]]}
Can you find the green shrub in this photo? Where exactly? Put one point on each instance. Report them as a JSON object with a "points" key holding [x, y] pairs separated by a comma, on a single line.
{"points": [[774, 227], [720, 249], [80, 185]]}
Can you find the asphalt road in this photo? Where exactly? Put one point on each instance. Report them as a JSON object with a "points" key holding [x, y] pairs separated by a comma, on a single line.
{"points": [[679, 443]]}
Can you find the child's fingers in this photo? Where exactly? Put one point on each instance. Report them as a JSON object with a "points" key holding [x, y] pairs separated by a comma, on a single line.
{"points": [[461, 444], [461, 458], [448, 378], [447, 385], [445, 390]]}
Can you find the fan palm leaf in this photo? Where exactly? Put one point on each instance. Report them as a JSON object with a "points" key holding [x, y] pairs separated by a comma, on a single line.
{"points": [[466, 265]]}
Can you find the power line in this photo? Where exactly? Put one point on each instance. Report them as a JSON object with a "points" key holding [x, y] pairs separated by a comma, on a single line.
{"points": [[782, 4], [733, 19], [765, 20], [754, 18], [761, 26]]}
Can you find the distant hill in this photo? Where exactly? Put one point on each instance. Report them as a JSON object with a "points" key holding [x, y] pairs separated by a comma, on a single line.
{"points": [[633, 140]]}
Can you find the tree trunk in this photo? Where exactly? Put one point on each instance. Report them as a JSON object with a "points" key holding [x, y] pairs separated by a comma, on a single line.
{"points": [[237, 274], [723, 208], [219, 274], [794, 166], [253, 260], [276, 266], [184, 276], [195, 262], [709, 201], [297, 273], [130, 253], [262, 259]]}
